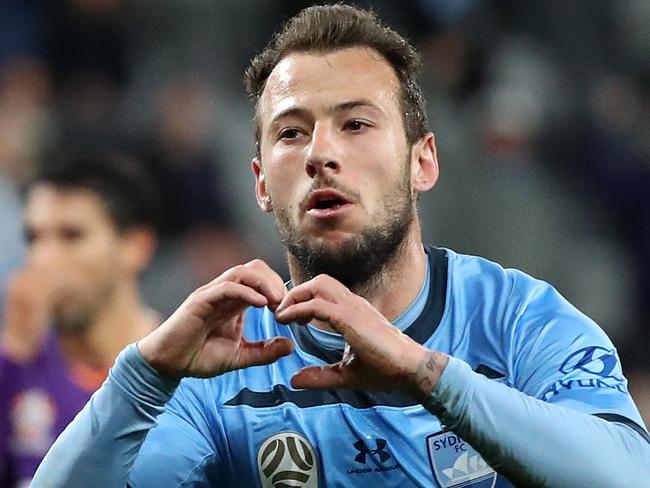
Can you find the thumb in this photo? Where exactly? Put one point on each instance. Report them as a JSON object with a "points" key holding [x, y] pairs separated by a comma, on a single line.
{"points": [[263, 352], [319, 377]]}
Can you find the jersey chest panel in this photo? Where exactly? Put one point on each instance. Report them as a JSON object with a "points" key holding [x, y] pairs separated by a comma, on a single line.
{"points": [[342, 446]]}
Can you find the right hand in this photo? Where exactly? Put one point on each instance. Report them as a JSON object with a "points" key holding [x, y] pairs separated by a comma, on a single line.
{"points": [[203, 337], [31, 293]]}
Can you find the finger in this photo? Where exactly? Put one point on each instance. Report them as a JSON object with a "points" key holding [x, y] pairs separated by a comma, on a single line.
{"points": [[225, 295], [323, 286], [259, 276], [273, 279], [316, 308], [319, 377], [264, 352]]}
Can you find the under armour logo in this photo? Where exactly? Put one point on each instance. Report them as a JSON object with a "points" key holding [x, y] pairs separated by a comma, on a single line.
{"points": [[364, 451]]}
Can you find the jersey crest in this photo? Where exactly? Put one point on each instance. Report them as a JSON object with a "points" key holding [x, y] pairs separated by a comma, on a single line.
{"points": [[456, 464]]}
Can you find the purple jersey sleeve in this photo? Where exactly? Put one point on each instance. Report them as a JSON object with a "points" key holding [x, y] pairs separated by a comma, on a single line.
{"points": [[38, 398], [4, 423]]}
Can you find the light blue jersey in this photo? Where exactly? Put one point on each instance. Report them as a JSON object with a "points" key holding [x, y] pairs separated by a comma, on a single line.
{"points": [[533, 390], [250, 428]]}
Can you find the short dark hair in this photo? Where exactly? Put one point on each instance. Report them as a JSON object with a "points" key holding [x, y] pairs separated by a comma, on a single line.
{"points": [[127, 189], [327, 28]]}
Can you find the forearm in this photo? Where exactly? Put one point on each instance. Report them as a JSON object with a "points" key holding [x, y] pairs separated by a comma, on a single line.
{"points": [[100, 445], [534, 443]]}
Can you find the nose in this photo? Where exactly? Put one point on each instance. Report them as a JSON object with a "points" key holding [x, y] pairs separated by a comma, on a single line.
{"points": [[322, 152], [44, 252]]}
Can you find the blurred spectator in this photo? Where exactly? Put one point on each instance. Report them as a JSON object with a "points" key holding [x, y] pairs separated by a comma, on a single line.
{"points": [[25, 128], [88, 46], [197, 224], [75, 303], [613, 154]]}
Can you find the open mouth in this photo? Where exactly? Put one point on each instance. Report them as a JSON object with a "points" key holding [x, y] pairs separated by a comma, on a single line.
{"points": [[322, 201], [329, 203]]}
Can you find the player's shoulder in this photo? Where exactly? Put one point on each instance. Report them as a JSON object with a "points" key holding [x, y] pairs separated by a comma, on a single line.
{"points": [[513, 296], [471, 272], [42, 360], [506, 295]]}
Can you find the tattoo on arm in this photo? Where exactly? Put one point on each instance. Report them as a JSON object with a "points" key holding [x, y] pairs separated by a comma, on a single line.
{"points": [[428, 373]]}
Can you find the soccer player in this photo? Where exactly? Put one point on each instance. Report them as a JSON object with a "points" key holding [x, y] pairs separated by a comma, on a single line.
{"points": [[74, 304], [383, 362]]}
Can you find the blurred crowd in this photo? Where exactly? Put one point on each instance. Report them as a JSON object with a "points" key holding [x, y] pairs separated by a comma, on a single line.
{"points": [[541, 112]]}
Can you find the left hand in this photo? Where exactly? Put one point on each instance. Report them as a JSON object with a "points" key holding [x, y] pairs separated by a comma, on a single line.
{"points": [[384, 358]]}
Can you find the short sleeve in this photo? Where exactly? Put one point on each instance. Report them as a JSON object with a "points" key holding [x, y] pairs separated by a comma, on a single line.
{"points": [[561, 356]]}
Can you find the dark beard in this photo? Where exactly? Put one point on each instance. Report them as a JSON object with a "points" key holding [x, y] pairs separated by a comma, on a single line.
{"points": [[359, 262], [71, 321], [75, 315]]}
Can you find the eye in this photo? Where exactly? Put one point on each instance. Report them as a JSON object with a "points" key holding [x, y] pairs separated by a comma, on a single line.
{"points": [[356, 125], [289, 133], [71, 234], [30, 236]]}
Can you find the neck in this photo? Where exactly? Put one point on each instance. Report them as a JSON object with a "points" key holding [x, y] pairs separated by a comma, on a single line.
{"points": [[398, 283], [122, 320]]}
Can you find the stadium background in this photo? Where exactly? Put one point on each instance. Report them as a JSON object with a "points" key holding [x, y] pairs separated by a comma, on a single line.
{"points": [[541, 112]]}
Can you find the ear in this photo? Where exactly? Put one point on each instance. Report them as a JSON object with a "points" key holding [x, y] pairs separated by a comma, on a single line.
{"points": [[139, 246], [261, 193], [424, 164]]}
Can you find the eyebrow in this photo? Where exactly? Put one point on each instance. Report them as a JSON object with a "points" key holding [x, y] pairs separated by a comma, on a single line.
{"points": [[354, 104], [303, 112]]}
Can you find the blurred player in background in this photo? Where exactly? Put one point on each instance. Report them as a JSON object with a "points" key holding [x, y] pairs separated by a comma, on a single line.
{"points": [[384, 362], [89, 230]]}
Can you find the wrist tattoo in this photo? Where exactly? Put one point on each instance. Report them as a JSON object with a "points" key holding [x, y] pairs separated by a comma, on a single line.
{"points": [[428, 373]]}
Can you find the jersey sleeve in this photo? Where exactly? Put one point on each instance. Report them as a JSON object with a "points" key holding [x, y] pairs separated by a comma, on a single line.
{"points": [[177, 451], [536, 443], [560, 356], [99, 447], [4, 422]]}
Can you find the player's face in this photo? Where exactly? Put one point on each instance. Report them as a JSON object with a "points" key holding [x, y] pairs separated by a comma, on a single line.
{"points": [[72, 241], [335, 163]]}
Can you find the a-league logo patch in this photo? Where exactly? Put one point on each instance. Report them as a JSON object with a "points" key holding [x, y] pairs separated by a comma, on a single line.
{"points": [[456, 464], [287, 460]]}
